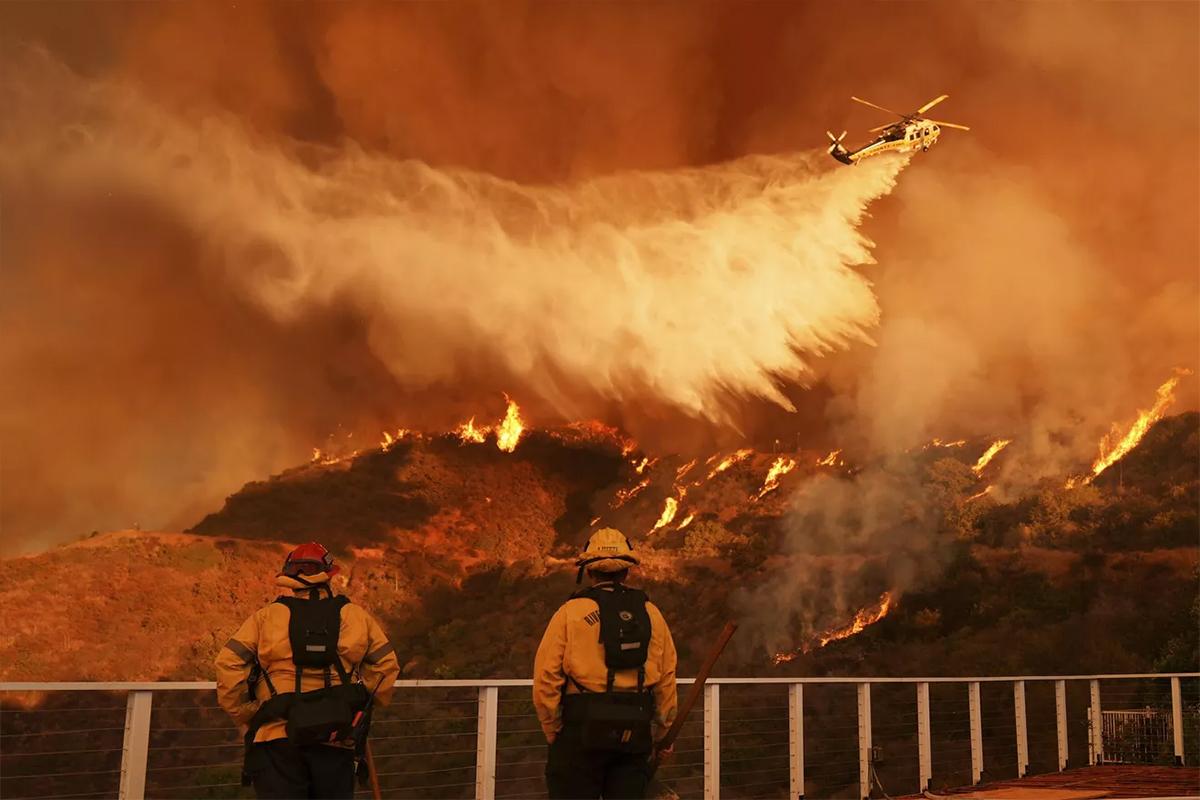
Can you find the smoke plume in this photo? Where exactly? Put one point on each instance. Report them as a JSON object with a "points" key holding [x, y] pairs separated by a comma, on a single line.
{"points": [[230, 233]]}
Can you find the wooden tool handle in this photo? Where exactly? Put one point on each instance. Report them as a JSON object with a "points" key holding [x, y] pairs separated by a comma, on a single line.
{"points": [[696, 690]]}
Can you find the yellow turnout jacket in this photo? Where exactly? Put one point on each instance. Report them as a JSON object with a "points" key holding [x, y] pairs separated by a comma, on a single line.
{"points": [[362, 646], [571, 646]]}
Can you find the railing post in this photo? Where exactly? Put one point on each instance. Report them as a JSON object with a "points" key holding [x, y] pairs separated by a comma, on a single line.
{"points": [[1177, 720], [796, 739], [135, 750], [976, 732], [1022, 728], [1060, 722], [864, 740], [924, 742], [712, 741], [1095, 726], [485, 743]]}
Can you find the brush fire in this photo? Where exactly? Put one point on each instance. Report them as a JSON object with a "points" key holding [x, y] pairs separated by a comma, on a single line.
{"points": [[863, 618]]}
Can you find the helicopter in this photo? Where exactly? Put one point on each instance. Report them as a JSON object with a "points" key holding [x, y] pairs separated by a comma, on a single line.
{"points": [[913, 132]]}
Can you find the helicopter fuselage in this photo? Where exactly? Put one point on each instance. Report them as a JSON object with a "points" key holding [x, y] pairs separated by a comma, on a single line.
{"points": [[902, 137]]}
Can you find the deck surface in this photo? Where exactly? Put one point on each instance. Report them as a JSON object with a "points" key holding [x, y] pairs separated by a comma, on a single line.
{"points": [[1087, 783]]}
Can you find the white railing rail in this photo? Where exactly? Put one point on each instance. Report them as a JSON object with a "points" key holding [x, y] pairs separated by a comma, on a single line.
{"points": [[140, 700]]}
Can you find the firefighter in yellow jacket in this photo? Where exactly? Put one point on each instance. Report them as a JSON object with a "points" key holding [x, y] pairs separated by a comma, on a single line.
{"points": [[286, 650], [604, 680]]}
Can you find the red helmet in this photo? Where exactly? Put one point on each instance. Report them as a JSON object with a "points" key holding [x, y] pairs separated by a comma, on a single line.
{"points": [[309, 559]]}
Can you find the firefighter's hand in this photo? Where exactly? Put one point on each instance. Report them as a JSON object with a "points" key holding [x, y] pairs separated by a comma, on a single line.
{"points": [[550, 737], [663, 754]]}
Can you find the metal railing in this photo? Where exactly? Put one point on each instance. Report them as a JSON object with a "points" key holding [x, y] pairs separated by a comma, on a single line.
{"points": [[756, 737]]}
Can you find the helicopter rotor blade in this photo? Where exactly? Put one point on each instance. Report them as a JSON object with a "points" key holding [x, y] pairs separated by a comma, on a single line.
{"points": [[931, 104], [873, 105], [949, 124], [879, 128]]}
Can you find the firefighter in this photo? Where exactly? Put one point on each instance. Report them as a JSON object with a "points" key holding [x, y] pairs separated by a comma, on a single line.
{"points": [[604, 680], [312, 642]]}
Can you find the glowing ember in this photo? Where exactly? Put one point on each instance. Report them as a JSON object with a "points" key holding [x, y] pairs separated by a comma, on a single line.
{"points": [[467, 432], [623, 496], [782, 466], [685, 469], [728, 461], [989, 454], [1114, 446], [668, 514], [832, 460], [509, 432], [592, 524]]}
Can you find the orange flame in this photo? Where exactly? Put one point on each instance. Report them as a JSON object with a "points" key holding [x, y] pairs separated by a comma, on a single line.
{"points": [[989, 454], [862, 619], [936, 442], [1114, 446], [316, 455], [832, 460], [686, 521], [510, 429], [782, 466], [669, 509], [641, 465], [623, 496], [467, 432], [685, 469], [987, 489], [728, 461]]}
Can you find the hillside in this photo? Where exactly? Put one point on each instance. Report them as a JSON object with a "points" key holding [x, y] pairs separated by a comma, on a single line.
{"points": [[464, 551]]}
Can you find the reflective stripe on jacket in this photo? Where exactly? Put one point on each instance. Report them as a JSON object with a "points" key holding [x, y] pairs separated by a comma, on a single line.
{"points": [[571, 646], [362, 646]]}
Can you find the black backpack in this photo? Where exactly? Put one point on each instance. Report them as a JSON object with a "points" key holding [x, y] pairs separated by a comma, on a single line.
{"points": [[611, 720], [321, 715]]}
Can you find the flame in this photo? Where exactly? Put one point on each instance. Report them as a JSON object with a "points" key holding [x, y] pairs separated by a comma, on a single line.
{"points": [[685, 469], [782, 466], [316, 455], [728, 461], [686, 521], [669, 508], [936, 442], [467, 432], [978, 495], [510, 429], [1114, 446], [862, 619], [640, 467], [625, 495], [989, 454], [831, 460], [592, 524]]}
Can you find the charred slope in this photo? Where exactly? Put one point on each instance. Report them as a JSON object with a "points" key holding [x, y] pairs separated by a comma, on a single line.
{"points": [[464, 551]]}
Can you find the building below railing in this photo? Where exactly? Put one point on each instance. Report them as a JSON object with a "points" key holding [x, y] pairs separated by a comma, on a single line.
{"points": [[756, 737]]}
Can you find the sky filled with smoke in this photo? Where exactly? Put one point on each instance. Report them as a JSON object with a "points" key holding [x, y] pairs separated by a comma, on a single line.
{"points": [[218, 249]]}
